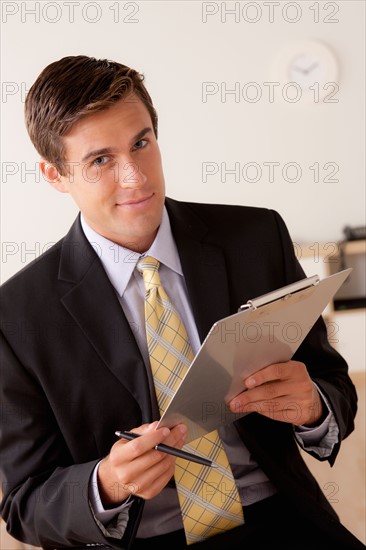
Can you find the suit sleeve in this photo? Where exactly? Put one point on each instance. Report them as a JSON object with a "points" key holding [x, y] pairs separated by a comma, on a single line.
{"points": [[325, 365], [45, 495]]}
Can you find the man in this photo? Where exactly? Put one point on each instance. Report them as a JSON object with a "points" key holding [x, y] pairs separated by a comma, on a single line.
{"points": [[77, 362]]}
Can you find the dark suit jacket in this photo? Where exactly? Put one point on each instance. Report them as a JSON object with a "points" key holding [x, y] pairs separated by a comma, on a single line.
{"points": [[72, 373]]}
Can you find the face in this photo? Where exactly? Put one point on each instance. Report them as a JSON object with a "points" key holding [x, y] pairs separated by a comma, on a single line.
{"points": [[115, 173]]}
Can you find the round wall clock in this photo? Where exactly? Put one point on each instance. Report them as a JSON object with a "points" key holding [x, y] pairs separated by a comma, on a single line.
{"points": [[312, 65]]}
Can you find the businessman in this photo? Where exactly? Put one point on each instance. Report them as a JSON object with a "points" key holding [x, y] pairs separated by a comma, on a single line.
{"points": [[85, 350]]}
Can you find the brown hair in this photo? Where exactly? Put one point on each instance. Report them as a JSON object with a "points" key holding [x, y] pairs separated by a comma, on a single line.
{"points": [[71, 88]]}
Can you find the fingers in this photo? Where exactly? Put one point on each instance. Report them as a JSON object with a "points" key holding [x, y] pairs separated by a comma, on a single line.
{"points": [[273, 382], [277, 371], [149, 478], [177, 436], [136, 467], [145, 478], [282, 391], [150, 438]]}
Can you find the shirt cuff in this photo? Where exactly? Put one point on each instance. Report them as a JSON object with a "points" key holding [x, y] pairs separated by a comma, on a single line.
{"points": [[320, 439], [112, 522]]}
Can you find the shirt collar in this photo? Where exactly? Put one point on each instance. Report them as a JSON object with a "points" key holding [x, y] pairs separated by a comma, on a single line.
{"points": [[119, 262]]}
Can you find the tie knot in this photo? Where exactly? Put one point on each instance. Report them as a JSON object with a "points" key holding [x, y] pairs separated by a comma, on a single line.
{"points": [[149, 268]]}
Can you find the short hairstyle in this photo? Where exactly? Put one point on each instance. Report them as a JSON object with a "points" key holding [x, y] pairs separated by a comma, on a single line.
{"points": [[71, 88]]}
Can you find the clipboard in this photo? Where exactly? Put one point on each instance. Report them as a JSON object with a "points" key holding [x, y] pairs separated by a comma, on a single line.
{"points": [[267, 329]]}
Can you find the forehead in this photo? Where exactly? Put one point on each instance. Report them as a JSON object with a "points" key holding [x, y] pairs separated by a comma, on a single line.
{"points": [[112, 127]]}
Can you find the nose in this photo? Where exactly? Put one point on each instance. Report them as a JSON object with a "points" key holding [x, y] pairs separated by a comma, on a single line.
{"points": [[130, 174]]}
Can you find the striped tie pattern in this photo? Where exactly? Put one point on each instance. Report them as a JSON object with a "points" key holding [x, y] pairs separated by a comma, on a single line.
{"points": [[208, 497]]}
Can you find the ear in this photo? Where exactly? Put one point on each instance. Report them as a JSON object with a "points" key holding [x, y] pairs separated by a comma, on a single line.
{"points": [[52, 175]]}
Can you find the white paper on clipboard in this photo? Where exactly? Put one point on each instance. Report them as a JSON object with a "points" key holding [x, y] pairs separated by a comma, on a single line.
{"points": [[266, 330]]}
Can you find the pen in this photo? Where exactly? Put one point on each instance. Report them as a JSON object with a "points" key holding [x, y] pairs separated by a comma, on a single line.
{"points": [[170, 450]]}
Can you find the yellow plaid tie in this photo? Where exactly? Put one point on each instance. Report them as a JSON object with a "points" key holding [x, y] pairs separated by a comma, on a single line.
{"points": [[208, 497]]}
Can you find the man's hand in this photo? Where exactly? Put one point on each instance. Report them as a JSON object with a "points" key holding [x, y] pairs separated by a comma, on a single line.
{"points": [[282, 391], [135, 467]]}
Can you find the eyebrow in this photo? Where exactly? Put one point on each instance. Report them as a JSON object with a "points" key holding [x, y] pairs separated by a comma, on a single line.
{"points": [[108, 150]]}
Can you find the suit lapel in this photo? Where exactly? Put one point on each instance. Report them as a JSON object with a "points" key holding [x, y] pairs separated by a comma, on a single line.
{"points": [[94, 306], [203, 266]]}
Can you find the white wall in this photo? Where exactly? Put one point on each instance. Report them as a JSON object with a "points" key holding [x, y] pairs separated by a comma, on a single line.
{"points": [[178, 52]]}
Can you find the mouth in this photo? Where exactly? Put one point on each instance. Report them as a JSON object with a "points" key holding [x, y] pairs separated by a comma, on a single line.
{"points": [[136, 203]]}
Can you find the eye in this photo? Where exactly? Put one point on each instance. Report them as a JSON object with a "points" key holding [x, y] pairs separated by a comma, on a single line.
{"points": [[140, 144], [100, 161]]}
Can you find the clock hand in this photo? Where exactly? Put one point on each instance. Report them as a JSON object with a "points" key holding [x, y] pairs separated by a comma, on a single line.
{"points": [[299, 69], [311, 68]]}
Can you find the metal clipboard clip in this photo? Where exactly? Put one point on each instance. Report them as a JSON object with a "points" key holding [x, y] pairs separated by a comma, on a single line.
{"points": [[280, 294]]}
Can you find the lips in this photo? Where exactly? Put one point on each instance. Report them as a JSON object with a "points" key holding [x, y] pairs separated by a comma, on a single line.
{"points": [[136, 201]]}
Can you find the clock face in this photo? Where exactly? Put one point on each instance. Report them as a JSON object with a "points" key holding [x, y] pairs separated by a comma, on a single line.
{"points": [[310, 64], [305, 69]]}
